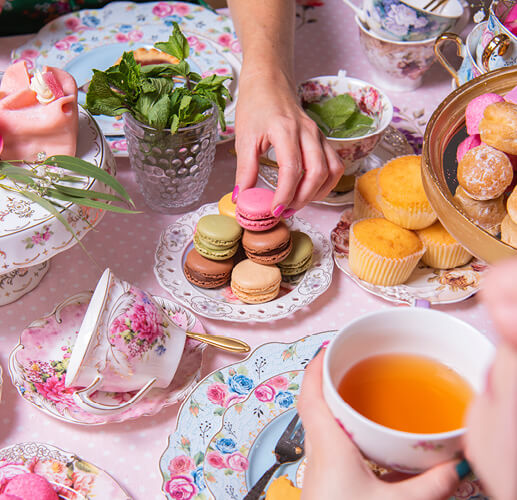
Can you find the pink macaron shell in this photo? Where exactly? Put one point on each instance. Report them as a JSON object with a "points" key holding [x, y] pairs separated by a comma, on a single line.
{"points": [[467, 144], [6, 496], [29, 487], [256, 225], [253, 209], [475, 110], [511, 96]]}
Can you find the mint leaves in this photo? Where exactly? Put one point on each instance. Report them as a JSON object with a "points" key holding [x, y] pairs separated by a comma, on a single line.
{"points": [[163, 96], [340, 117]]}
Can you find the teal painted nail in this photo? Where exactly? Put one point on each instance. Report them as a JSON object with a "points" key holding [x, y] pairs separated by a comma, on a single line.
{"points": [[463, 469]]}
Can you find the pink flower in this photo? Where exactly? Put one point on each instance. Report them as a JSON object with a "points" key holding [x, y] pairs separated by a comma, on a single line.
{"points": [[71, 38], [120, 145], [181, 9], [237, 462], [29, 62], [121, 37], [216, 393], [265, 393], [54, 471], [234, 399], [215, 460], [162, 9], [236, 46], [62, 45], [83, 482], [181, 465], [181, 488], [221, 71], [135, 35], [225, 39], [73, 23], [30, 53], [192, 40], [278, 382], [145, 322], [54, 390]]}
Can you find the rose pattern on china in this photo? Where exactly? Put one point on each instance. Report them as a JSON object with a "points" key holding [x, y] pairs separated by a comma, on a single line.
{"points": [[38, 238], [140, 329]]}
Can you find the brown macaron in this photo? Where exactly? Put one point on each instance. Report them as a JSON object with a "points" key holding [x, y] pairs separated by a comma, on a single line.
{"points": [[267, 247], [207, 273]]}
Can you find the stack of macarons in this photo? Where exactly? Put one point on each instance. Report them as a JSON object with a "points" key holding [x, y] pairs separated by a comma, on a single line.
{"points": [[272, 250]]}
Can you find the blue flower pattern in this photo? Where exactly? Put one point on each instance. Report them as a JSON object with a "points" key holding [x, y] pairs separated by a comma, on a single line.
{"points": [[91, 21], [198, 478], [226, 445], [169, 20], [240, 384], [284, 399]]}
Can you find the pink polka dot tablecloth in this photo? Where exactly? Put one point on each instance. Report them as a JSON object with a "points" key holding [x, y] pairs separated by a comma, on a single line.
{"points": [[326, 41]]}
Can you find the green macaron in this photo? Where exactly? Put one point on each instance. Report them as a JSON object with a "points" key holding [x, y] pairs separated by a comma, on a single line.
{"points": [[300, 258], [217, 236]]}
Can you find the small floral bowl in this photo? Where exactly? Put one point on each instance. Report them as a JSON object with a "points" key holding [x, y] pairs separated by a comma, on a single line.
{"points": [[370, 100], [397, 66]]}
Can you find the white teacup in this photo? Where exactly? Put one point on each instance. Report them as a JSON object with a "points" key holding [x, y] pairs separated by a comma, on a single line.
{"points": [[413, 331], [126, 343]]}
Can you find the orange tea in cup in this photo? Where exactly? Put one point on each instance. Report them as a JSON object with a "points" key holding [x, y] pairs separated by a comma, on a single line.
{"points": [[407, 392]]}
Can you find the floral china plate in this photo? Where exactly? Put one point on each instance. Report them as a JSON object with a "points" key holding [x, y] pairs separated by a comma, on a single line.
{"points": [[392, 144], [71, 477], [229, 424], [220, 303], [38, 365], [437, 286], [81, 41], [187, 464]]}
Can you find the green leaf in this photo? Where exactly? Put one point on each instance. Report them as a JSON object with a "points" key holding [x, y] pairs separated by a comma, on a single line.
{"points": [[219, 411], [84, 168], [357, 125], [86, 467], [218, 376], [86, 202], [86, 193], [319, 121], [199, 457], [174, 124], [176, 46], [336, 110], [101, 100], [154, 109]]}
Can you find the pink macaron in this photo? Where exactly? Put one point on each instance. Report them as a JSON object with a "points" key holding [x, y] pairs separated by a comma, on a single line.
{"points": [[475, 110], [29, 487], [253, 210], [467, 144], [5, 496]]}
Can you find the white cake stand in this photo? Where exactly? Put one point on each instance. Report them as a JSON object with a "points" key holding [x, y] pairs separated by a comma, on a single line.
{"points": [[30, 236]]}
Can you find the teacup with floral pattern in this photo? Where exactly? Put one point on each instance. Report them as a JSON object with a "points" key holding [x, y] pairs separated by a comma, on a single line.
{"points": [[126, 343]]}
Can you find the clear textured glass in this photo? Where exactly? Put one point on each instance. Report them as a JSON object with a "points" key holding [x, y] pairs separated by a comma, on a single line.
{"points": [[172, 170]]}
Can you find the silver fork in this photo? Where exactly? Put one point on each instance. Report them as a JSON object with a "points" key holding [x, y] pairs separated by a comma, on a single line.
{"points": [[289, 448]]}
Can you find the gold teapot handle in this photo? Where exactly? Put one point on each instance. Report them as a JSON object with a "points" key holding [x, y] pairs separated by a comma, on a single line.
{"points": [[500, 43], [448, 37]]}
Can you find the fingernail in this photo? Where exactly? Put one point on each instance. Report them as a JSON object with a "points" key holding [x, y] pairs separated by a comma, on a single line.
{"points": [[289, 213], [235, 194], [278, 211], [463, 469]]}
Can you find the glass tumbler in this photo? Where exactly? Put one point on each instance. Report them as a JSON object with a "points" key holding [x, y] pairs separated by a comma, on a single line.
{"points": [[172, 170]]}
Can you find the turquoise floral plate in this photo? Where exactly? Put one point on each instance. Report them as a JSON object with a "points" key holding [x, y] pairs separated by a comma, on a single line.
{"points": [[81, 41]]}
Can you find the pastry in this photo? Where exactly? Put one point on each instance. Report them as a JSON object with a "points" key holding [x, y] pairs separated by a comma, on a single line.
{"points": [[366, 194], [145, 57], [255, 283], [300, 257], [253, 209], [484, 172], [442, 251], [282, 488], [511, 205], [487, 214], [267, 247], [217, 237], [30, 487], [38, 113], [207, 273], [383, 253], [498, 126], [475, 110], [226, 206], [509, 231], [467, 144], [401, 193]]}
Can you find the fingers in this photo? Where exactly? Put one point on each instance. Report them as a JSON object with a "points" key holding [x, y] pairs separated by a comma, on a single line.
{"points": [[247, 164], [335, 170], [434, 484]]}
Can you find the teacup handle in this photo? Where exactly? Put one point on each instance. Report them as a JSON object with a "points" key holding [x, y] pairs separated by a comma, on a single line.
{"points": [[448, 37], [356, 8], [82, 398], [500, 43]]}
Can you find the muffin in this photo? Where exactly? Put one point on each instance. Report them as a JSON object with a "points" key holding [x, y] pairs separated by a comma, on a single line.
{"points": [[442, 250], [509, 231], [487, 214], [383, 253], [366, 193], [484, 172], [401, 193]]}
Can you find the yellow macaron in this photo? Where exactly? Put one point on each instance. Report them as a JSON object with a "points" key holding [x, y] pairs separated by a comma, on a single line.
{"points": [[226, 205]]}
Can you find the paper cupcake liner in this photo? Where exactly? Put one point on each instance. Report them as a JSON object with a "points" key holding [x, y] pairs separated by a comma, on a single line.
{"points": [[416, 217], [379, 270], [443, 256], [363, 209]]}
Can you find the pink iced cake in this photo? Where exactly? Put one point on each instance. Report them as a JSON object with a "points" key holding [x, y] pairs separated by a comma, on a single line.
{"points": [[253, 210], [29, 487]]}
